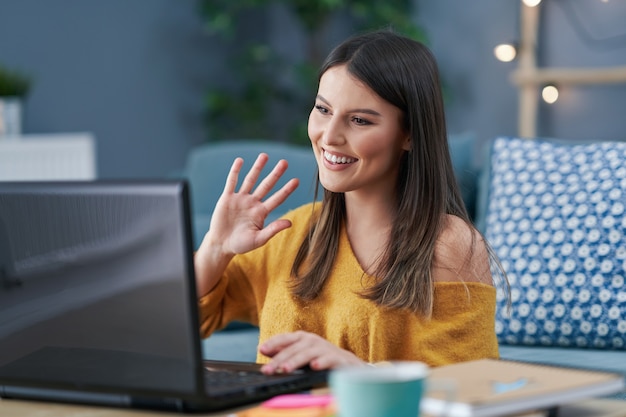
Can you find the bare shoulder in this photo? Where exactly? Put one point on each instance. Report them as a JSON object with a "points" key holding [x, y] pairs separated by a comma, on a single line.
{"points": [[461, 254]]}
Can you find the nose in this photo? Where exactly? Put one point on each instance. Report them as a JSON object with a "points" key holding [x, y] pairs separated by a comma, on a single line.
{"points": [[334, 132]]}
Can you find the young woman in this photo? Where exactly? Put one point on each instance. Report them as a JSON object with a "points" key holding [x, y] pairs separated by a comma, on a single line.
{"points": [[387, 266]]}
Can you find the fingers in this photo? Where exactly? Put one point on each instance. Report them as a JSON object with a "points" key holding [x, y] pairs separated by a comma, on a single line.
{"points": [[277, 343], [291, 351], [286, 353], [281, 195], [266, 185], [271, 230], [233, 176], [271, 179], [254, 173]]}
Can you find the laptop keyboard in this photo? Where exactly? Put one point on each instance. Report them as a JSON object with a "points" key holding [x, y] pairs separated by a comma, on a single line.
{"points": [[226, 379], [231, 382]]}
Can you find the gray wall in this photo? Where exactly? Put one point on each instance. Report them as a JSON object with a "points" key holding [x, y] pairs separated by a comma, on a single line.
{"points": [[134, 72]]}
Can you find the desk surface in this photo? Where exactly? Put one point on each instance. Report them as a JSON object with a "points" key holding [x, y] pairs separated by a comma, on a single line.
{"points": [[19, 408], [16, 408]]}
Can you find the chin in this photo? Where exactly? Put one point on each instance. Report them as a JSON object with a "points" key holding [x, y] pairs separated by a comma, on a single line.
{"points": [[332, 188]]}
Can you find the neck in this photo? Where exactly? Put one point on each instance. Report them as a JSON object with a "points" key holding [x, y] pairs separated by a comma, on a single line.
{"points": [[371, 213], [368, 226]]}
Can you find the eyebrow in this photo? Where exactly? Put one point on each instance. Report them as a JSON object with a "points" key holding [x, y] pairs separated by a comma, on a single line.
{"points": [[367, 111]]}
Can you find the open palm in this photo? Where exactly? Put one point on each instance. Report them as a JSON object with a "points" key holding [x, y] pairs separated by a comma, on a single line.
{"points": [[238, 221]]}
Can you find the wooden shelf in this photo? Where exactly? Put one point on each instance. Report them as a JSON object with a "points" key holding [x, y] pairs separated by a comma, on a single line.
{"points": [[569, 76], [530, 79]]}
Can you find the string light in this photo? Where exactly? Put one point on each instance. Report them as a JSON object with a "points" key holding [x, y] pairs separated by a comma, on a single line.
{"points": [[505, 52], [531, 3], [550, 94]]}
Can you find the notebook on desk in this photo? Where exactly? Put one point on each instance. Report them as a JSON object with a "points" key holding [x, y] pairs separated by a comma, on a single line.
{"points": [[98, 301], [492, 388]]}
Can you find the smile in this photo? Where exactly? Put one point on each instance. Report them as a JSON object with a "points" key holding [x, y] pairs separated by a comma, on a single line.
{"points": [[338, 159]]}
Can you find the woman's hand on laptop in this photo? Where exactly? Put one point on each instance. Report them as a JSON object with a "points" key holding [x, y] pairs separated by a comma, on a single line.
{"points": [[238, 221], [290, 351]]}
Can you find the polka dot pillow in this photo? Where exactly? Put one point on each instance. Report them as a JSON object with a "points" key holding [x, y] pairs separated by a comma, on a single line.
{"points": [[556, 217]]}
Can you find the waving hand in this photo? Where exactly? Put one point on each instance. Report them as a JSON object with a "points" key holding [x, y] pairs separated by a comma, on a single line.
{"points": [[238, 221]]}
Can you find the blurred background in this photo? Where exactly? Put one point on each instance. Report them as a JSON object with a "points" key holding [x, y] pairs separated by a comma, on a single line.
{"points": [[148, 80]]}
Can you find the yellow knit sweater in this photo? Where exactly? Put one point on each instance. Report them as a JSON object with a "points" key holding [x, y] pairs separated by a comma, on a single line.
{"points": [[255, 289]]}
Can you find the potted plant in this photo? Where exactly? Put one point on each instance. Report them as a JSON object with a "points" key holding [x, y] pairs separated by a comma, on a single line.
{"points": [[14, 87]]}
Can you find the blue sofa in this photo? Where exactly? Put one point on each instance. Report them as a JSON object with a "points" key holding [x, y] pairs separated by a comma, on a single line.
{"points": [[566, 264]]}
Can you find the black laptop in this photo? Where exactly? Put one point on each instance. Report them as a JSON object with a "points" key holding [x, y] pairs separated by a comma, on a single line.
{"points": [[98, 301]]}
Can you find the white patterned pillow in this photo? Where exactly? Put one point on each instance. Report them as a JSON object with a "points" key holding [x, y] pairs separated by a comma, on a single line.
{"points": [[556, 217]]}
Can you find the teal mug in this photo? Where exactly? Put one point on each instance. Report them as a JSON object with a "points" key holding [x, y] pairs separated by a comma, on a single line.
{"points": [[390, 389]]}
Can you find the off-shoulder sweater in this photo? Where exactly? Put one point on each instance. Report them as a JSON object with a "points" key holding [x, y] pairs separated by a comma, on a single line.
{"points": [[255, 288]]}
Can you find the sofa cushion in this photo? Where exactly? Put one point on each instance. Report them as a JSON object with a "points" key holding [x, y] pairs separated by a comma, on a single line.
{"points": [[555, 216]]}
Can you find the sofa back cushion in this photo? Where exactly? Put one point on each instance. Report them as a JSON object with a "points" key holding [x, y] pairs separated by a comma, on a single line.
{"points": [[554, 212]]}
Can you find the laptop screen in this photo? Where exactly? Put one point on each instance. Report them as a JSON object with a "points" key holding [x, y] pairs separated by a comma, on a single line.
{"points": [[95, 287]]}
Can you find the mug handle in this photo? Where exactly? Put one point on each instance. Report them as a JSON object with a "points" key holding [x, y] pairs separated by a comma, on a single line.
{"points": [[448, 387]]}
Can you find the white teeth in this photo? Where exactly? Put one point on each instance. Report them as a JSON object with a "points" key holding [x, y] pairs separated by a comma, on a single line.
{"points": [[337, 160]]}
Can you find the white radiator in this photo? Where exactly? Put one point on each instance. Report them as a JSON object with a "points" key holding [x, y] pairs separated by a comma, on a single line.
{"points": [[48, 157]]}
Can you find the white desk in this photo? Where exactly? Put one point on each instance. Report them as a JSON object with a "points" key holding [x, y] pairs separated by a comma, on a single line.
{"points": [[61, 156]]}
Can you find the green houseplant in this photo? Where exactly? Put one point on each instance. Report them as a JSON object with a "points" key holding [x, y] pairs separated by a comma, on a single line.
{"points": [[270, 93], [13, 83], [14, 86]]}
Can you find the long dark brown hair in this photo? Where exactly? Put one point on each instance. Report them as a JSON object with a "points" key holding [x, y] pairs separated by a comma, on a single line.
{"points": [[404, 73]]}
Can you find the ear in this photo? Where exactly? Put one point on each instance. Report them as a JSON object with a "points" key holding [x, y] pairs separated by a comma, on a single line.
{"points": [[407, 144]]}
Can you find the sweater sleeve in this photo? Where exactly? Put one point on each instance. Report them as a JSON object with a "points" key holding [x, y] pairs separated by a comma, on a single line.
{"points": [[463, 324], [231, 299]]}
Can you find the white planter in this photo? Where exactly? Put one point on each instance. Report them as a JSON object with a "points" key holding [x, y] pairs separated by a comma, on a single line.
{"points": [[10, 117]]}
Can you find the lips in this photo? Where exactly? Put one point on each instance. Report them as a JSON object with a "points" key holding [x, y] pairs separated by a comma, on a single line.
{"points": [[334, 159]]}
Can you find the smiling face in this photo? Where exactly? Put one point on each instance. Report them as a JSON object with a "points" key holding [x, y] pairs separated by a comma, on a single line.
{"points": [[357, 137]]}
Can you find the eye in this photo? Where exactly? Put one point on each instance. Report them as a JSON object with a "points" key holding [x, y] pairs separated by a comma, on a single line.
{"points": [[321, 109], [360, 121]]}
